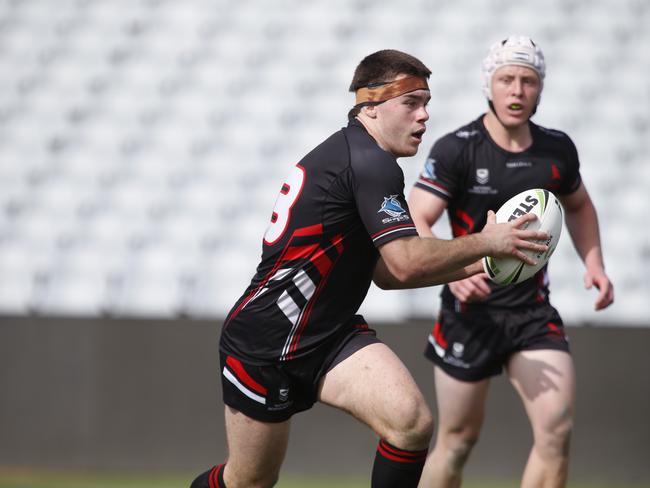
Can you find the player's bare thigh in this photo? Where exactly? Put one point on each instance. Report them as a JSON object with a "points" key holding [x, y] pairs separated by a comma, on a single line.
{"points": [[375, 387], [255, 449], [461, 404], [545, 380]]}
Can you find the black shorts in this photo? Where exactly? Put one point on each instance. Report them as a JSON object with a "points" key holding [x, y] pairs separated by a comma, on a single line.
{"points": [[274, 393], [476, 344]]}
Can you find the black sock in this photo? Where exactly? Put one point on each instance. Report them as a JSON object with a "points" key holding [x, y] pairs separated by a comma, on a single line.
{"points": [[212, 478], [397, 468]]}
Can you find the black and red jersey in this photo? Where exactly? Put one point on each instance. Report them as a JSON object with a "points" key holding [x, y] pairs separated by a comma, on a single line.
{"points": [[337, 206], [473, 174]]}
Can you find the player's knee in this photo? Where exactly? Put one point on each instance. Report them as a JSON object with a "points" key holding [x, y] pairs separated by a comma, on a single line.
{"points": [[554, 438], [458, 446], [412, 425], [560, 439]]}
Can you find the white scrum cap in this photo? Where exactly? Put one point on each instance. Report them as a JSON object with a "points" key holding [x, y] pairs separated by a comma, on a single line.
{"points": [[517, 50]]}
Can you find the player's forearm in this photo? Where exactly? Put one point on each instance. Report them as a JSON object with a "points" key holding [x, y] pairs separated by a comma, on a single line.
{"points": [[582, 224], [457, 274], [430, 261], [457, 259], [384, 279]]}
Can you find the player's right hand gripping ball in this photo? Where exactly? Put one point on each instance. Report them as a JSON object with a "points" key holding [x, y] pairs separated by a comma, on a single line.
{"points": [[507, 271]]}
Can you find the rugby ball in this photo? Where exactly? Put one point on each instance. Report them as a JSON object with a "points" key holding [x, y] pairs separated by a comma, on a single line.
{"points": [[508, 271]]}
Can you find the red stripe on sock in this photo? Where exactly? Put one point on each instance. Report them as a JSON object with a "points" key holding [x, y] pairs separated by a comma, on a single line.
{"points": [[400, 456], [400, 452], [388, 455], [214, 476]]}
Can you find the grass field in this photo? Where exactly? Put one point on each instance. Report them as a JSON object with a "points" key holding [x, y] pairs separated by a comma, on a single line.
{"points": [[28, 479]]}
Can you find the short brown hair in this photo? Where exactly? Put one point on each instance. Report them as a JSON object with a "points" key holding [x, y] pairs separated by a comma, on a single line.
{"points": [[383, 67]]}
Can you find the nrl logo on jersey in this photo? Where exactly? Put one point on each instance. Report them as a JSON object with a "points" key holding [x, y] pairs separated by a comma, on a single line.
{"points": [[482, 176], [482, 188], [394, 209]]}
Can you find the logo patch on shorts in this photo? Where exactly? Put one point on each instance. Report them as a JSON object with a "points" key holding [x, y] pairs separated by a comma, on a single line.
{"points": [[282, 399], [284, 394]]}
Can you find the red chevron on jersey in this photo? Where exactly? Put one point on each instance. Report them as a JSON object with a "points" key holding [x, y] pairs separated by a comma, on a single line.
{"points": [[457, 228], [324, 264], [292, 254]]}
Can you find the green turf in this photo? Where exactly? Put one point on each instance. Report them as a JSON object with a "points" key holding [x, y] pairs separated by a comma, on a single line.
{"points": [[28, 479]]}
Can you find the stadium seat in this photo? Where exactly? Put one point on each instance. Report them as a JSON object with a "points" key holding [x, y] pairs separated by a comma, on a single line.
{"points": [[165, 129]]}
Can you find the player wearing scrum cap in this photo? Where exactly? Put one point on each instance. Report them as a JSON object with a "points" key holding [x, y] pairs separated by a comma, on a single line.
{"points": [[294, 336], [483, 328]]}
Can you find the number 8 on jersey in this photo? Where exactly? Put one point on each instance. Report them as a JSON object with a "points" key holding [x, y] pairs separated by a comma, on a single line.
{"points": [[285, 201]]}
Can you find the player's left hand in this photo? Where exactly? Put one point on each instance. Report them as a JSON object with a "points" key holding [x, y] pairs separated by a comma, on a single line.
{"points": [[605, 288], [472, 289]]}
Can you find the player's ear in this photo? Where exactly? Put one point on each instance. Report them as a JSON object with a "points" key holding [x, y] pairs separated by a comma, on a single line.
{"points": [[370, 111]]}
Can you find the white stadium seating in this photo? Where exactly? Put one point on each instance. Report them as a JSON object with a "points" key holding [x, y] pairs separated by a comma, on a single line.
{"points": [[142, 142]]}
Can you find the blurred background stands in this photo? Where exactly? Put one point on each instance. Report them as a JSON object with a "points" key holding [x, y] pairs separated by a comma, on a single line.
{"points": [[142, 143]]}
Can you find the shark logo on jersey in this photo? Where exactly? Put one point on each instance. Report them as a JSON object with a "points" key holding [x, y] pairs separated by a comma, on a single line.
{"points": [[391, 206], [429, 171], [482, 176]]}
